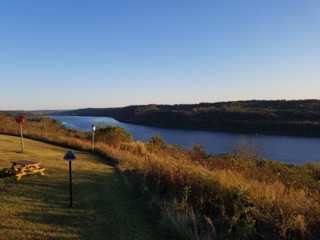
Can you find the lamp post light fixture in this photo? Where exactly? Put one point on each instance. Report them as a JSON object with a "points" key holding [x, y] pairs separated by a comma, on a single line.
{"points": [[21, 120], [93, 130], [70, 156]]}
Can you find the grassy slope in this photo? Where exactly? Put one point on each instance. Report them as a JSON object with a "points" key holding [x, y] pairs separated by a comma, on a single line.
{"points": [[38, 207]]}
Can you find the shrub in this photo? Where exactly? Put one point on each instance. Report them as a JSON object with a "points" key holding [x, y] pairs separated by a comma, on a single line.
{"points": [[249, 149], [113, 136], [156, 143], [215, 197]]}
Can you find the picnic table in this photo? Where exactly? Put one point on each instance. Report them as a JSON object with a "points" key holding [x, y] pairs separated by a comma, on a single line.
{"points": [[24, 167]]}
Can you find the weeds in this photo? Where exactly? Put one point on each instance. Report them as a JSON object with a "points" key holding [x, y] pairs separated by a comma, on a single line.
{"points": [[236, 196]]}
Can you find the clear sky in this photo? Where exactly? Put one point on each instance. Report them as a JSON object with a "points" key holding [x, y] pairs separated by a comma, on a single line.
{"points": [[69, 54]]}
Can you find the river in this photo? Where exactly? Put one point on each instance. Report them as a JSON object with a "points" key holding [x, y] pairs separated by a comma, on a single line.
{"points": [[289, 149]]}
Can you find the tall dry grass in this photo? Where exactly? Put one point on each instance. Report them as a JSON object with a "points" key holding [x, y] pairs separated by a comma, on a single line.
{"points": [[226, 199], [208, 197]]}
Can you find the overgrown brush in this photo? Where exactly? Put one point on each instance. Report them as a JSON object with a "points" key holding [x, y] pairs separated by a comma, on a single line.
{"points": [[235, 196]]}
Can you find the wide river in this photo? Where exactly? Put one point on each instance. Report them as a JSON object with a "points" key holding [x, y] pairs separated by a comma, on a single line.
{"points": [[289, 149]]}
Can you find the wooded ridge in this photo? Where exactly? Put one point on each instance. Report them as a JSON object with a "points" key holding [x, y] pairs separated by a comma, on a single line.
{"points": [[261, 116]]}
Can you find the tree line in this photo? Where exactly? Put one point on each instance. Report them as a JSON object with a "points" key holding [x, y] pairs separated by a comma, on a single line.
{"points": [[261, 116]]}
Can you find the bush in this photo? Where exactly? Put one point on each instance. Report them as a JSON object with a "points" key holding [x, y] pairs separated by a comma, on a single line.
{"points": [[220, 197], [113, 136], [156, 143]]}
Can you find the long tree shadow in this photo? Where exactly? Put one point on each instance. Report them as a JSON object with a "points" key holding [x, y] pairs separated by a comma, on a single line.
{"points": [[103, 208]]}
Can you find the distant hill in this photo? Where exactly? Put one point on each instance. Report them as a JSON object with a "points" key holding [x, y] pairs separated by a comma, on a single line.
{"points": [[299, 117]]}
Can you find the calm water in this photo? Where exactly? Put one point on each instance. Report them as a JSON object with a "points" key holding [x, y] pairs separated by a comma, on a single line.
{"points": [[289, 149]]}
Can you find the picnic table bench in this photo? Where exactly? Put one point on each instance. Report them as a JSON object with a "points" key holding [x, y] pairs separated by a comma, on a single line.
{"points": [[24, 167]]}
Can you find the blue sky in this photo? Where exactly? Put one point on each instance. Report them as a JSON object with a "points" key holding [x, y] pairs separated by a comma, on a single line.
{"points": [[68, 54]]}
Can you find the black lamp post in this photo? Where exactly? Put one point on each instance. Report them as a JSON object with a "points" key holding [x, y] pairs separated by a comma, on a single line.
{"points": [[70, 156]]}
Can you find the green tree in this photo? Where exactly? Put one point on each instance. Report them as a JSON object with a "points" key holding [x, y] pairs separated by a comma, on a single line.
{"points": [[156, 143], [113, 135]]}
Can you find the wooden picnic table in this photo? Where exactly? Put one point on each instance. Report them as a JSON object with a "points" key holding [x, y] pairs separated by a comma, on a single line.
{"points": [[24, 167]]}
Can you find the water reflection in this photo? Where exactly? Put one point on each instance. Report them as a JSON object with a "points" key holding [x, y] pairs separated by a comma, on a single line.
{"points": [[290, 149]]}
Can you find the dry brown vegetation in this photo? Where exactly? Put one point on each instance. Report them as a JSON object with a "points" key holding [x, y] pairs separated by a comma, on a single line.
{"points": [[235, 196]]}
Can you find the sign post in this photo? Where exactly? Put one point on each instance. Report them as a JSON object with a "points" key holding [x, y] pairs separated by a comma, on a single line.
{"points": [[70, 156], [21, 120], [93, 130]]}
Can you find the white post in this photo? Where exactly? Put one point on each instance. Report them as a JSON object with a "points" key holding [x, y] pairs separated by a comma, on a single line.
{"points": [[93, 130], [21, 135]]}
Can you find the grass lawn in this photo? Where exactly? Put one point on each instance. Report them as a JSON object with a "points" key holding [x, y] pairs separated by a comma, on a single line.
{"points": [[38, 207]]}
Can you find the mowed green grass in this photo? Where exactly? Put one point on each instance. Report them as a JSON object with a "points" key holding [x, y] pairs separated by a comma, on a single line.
{"points": [[38, 207]]}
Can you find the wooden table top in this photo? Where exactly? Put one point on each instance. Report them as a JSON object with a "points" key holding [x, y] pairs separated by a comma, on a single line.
{"points": [[24, 162]]}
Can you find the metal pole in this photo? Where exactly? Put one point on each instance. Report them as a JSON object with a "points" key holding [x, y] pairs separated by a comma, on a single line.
{"points": [[21, 134], [92, 141], [70, 176]]}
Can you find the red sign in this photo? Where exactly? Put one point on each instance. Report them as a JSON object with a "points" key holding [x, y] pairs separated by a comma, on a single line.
{"points": [[20, 119]]}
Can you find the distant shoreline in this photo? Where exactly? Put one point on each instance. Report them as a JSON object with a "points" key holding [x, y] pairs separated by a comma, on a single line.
{"points": [[280, 117], [277, 117]]}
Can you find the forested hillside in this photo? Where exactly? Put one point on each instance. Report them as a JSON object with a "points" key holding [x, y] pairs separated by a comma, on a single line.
{"points": [[280, 116], [237, 195]]}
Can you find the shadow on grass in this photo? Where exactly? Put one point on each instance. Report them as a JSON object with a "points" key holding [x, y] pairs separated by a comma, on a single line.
{"points": [[4, 175], [103, 208]]}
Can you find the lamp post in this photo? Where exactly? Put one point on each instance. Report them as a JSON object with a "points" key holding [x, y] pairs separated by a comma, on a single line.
{"points": [[93, 130], [21, 120], [70, 156]]}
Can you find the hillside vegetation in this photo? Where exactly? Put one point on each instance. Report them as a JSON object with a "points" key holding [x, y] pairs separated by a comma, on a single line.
{"points": [[38, 207], [200, 196], [281, 117]]}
